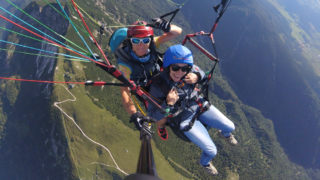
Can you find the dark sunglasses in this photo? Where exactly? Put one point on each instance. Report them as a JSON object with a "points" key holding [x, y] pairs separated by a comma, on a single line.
{"points": [[183, 68], [138, 40]]}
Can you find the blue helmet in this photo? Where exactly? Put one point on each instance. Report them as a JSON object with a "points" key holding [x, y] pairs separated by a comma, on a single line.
{"points": [[177, 54]]}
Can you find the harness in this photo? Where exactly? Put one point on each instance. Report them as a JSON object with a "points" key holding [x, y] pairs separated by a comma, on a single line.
{"points": [[172, 122], [141, 72], [203, 107]]}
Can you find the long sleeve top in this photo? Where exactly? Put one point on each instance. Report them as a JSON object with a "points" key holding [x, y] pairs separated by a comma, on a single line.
{"points": [[162, 84]]}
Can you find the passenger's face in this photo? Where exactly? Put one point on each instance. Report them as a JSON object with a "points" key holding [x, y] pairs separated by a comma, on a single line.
{"points": [[177, 71]]}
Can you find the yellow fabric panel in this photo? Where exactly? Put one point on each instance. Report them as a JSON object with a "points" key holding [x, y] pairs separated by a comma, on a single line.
{"points": [[156, 42], [125, 70]]}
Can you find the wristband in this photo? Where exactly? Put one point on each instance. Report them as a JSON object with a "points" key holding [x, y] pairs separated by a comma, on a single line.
{"points": [[168, 110]]}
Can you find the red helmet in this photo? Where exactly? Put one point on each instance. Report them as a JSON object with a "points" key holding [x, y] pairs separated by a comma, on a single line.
{"points": [[139, 30]]}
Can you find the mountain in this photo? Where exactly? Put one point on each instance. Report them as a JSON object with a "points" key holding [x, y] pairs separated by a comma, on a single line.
{"points": [[264, 84], [31, 146], [269, 72], [270, 55]]}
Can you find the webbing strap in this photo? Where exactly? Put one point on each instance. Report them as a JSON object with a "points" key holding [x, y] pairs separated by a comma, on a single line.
{"points": [[135, 101], [203, 108]]}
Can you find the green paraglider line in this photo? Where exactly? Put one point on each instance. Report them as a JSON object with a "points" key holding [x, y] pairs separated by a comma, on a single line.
{"points": [[59, 35], [68, 49], [37, 54], [26, 36], [55, 40], [74, 27], [83, 21], [37, 49], [50, 4]]}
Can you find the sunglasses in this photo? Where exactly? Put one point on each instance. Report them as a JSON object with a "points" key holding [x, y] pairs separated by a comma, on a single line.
{"points": [[139, 40], [183, 68]]}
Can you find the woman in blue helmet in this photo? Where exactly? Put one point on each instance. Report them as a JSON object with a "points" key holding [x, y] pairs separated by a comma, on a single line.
{"points": [[175, 89], [138, 59]]}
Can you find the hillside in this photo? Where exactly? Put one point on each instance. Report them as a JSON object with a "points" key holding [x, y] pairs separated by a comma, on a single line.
{"points": [[270, 58], [31, 144], [96, 139], [269, 72]]}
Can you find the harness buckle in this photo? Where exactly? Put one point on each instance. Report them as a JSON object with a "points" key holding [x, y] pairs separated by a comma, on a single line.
{"points": [[203, 105]]}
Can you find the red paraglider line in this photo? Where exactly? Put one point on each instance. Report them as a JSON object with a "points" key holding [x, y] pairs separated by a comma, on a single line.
{"points": [[102, 64], [40, 81], [96, 43]]}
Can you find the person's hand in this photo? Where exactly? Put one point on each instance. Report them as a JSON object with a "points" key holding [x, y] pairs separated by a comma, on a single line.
{"points": [[172, 97], [137, 119], [161, 24], [191, 78]]}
